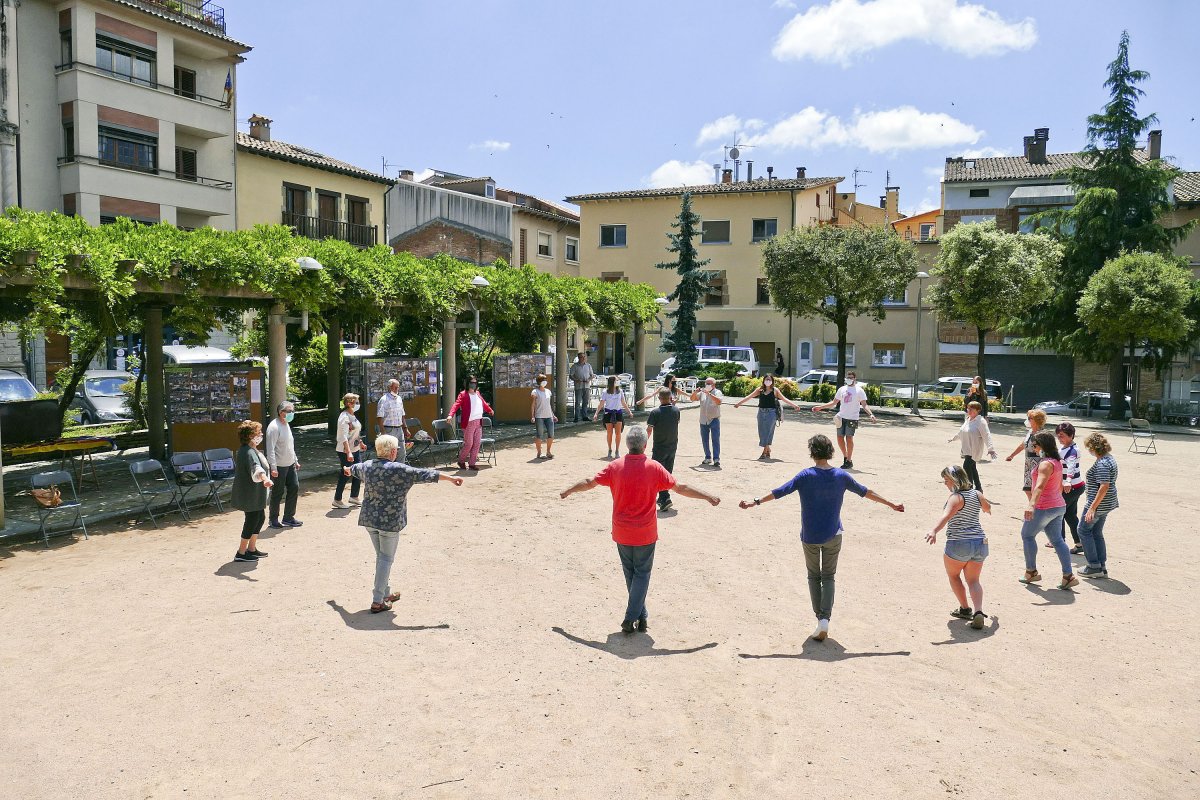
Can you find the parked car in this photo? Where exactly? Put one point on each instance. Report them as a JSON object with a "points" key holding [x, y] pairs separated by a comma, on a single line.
{"points": [[195, 354], [101, 398], [815, 376], [15, 386], [743, 356], [1084, 404], [959, 386]]}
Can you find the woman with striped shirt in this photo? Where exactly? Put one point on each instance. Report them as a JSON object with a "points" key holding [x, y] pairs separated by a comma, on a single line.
{"points": [[966, 543], [1072, 481], [1101, 501]]}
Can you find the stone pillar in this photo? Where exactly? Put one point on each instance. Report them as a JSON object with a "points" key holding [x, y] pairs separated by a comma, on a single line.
{"points": [[155, 392], [449, 364], [277, 358], [561, 371], [639, 361], [333, 370]]}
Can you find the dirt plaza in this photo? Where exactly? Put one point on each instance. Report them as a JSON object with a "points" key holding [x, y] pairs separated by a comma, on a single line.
{"points": [[144, 663]]}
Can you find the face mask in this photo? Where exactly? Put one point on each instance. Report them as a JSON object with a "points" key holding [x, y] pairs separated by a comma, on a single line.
{"points": [[974, 385], [256, 441], [849, 381], [289, 416], [1027, 425], [474, 387], [768, 384], [353, 408], [542, 384]]}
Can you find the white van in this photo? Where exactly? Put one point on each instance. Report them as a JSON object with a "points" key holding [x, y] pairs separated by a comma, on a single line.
{"points": [[195, 354], [744, 357]]}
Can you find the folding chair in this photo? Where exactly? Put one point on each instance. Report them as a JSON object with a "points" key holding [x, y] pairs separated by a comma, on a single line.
{"points": [[219, 463], [153, 490], [191, 475], [487, 444], [1143, 437], [44, 480], [419, 446], [443, 433]]}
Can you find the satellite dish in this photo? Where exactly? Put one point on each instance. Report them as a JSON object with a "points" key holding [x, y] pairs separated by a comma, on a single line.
{"points": [[734, 153]]}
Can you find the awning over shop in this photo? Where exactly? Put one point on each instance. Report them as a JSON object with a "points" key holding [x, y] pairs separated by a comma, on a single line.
{"points": [[1055, 194]]}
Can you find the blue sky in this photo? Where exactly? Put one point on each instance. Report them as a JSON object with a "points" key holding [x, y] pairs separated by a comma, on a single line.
{"points": [[561, 97]]}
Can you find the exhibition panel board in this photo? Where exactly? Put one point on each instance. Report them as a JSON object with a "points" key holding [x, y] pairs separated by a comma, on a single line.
{"points": [[514, 378], [207, 402]]}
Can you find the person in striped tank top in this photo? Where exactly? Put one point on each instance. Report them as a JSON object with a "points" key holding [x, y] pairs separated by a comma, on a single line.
{"points": [[1072, 481], [1101, 501], [1045, 512], [966, 543]]}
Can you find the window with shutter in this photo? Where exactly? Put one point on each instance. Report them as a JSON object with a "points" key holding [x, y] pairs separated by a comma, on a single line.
{"points": [[185, 164]]}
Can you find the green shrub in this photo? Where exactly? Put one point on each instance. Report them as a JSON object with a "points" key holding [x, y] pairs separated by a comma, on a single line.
{"points": [[820, 393], [741, 387], [790, 389], [719, 371]]}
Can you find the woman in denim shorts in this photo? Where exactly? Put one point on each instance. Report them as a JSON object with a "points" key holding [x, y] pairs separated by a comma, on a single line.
{"points": [[966, 543]]}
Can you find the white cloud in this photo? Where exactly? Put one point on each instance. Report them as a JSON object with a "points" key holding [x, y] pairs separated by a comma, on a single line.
{"points": [[491, 145], [680, 173], [985, 152], [783, 4], [724, 130], [840, 30], [889, 130]]}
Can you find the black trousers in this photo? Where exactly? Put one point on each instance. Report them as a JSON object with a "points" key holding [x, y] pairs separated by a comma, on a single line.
{"points": [[287, 483], [666, 456], [1072, 515], [253, 524], [972, 472]]}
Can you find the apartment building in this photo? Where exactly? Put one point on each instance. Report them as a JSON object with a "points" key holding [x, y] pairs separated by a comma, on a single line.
{"points": [[921, 227], [317, 195], [115, 108], [624, 235]]}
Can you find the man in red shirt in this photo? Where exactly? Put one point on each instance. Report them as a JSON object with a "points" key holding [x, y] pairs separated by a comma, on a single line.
{"points": [[635, 482]]}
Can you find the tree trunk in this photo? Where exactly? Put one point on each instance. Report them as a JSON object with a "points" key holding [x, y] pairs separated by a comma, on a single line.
{"points": [[841, 328], [1116, 385], [82, 359], [980, 357]]}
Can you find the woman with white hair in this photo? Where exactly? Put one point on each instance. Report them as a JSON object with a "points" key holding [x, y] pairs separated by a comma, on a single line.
{"points": [[384, 510]]}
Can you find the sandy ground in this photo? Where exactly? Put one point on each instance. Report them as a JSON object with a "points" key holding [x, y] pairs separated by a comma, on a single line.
{"points": [[143, 664]]}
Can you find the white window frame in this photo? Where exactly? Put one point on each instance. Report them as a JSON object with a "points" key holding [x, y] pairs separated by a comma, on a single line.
{"points": [[928, 231], [571, 241], [728, 236], [829, 354], [549, 244], [624, 230], [887, 362], [753, 238]]}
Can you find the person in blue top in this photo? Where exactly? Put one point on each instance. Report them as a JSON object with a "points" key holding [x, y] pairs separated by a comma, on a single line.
{"points": [[821, 488]]}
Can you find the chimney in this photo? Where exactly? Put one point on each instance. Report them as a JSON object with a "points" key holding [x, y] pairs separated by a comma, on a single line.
{"points": [[749, 170], [770, 173], [727, 176], [1035, 146], [891, 203], [1029, 143], [716, 173], [1155, 145], [883, 201], [800, 173], [1041, 134], [260, 127], [406, 175]]}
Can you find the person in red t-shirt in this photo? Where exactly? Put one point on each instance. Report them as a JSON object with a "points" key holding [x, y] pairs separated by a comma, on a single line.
{"points": [[635, 482]]}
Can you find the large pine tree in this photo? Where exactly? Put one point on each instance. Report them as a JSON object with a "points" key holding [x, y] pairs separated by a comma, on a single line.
{"points": [[693, 282], [1120, 197]]}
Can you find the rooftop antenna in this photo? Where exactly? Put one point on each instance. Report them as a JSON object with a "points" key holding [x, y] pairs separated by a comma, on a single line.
{"points": [[733, 152], [856, 173], [383, 162]]}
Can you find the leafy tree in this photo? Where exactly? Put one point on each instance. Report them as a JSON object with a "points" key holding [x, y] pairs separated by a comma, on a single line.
{"points": [[988, 277], [837, 273], [1138, 298], [1120, 198], [693, 281]]}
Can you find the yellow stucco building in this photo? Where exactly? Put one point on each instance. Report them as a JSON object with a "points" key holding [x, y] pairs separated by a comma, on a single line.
{"points": [[623, 235]]}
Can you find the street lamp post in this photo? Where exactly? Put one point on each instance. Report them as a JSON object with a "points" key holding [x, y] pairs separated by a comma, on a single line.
{"points": [[916, 409]]}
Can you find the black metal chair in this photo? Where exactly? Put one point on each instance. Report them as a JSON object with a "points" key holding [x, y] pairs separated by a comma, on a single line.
{"points": [[219, 463], [419, 446], [45, 480], [152, 471], [487, 444], [443, 433], [191, 475]]}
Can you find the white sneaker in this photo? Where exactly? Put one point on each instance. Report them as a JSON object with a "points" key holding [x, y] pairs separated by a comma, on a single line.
{"points": [[822, 630], [354, 501], [339, 504]]}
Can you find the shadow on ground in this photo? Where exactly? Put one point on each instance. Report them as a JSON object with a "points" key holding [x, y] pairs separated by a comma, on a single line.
{"points": [[828, 650], [961, 631], [630, 646], [383, 621]]}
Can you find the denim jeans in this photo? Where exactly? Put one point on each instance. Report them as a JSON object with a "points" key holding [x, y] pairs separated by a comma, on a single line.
{"points": [[288, 483], [1092, 536], [766, 426], [1049, 520], [398, 432], [636, 563], [711, 430], [385, 553], [821, 561], [355, 483], [582, 396]]}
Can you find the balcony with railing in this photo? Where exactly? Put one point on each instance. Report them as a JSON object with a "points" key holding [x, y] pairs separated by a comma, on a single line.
{"points": [[318, 228], [193, 11]]}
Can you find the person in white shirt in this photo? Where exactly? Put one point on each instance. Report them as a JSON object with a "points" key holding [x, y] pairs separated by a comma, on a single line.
{"points": [[710, 398], [349, 445], [389, 416], [541, 414], [853, 399], [280, 448]]}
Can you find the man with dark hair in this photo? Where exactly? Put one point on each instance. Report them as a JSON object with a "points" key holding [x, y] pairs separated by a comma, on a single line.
{"points": [[633, 480], [821, 488], [663, 425]]}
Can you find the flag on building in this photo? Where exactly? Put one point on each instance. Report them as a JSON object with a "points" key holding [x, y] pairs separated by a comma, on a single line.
{"points": [[229, 87]]}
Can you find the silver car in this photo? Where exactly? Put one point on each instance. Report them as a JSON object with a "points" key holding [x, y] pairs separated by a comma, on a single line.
{"points": [[1084, 404], [101, 398]]}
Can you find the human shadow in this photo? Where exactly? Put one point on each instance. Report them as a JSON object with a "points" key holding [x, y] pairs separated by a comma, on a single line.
{"points": [[670, 512], [828, 650], [383, 621], [629, 646], [1052, 595], [340, 513], [238, 570], [961, 631], [1109, 586]]}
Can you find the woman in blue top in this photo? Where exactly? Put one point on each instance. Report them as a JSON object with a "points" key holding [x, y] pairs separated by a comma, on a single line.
{"points": [[821, 487], [966, 543]]}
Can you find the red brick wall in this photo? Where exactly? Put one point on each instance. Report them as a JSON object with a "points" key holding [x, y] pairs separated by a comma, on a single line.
{"points": [[127, 118], [1092, 377], [437, 238], [1006, 218], [120, 207], [956, 364], [125, 30], [957, 333]]}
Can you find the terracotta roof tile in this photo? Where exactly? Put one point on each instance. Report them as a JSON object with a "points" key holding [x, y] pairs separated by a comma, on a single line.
{"points": [[1187, 187], [1008, 168], [758, 185], [302, 155], [162, 12]]}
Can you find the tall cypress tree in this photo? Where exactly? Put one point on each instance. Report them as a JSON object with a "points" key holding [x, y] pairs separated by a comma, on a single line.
{"points": [[1120, 196], [693, 281]]}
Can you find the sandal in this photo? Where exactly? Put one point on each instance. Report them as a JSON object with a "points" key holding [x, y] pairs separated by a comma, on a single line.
{"points": [[1031, 576], [961, 613], [391, 598], [1068, 581], [378, 607]]}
